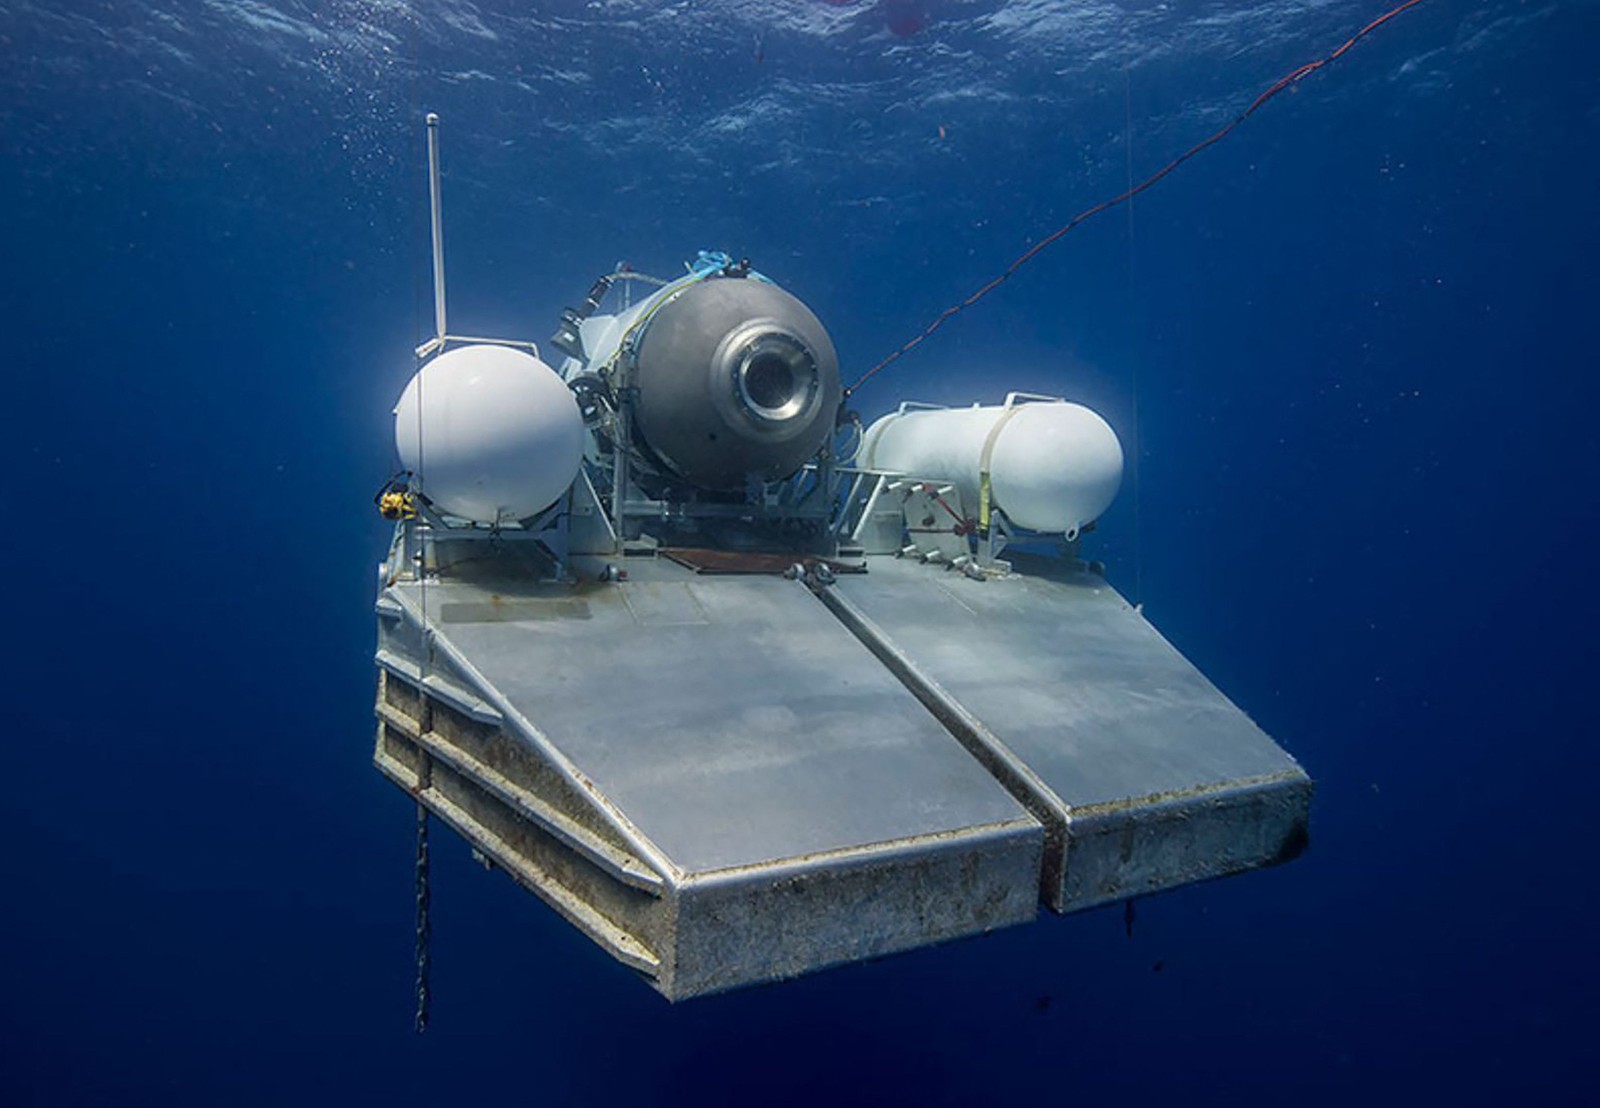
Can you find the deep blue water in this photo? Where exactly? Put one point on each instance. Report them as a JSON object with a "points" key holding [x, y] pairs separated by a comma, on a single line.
{"points": [[1360, 334]]}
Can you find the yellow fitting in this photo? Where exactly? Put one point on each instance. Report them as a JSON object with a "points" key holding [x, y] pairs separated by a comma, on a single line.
{"points": [[397, 505]]}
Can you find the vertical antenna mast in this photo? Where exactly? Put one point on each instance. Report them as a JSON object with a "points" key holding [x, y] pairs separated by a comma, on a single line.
{"points": [[438, 232]]}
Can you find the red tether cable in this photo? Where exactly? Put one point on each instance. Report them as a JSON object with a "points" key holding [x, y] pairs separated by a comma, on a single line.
{"points": [[1290, 78]]}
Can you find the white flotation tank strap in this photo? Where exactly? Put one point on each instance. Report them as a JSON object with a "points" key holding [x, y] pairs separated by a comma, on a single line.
{"points": [[985, 498]]}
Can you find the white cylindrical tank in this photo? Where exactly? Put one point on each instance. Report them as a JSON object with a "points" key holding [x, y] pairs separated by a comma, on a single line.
{"points": [[1052, 467], [492, 434]]}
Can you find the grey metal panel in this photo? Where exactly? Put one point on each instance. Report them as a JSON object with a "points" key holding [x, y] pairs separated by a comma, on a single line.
{"points": [[732, 724], [1146, 775]]}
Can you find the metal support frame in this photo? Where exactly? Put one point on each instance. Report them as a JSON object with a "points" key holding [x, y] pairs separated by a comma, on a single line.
{"points": [[784, 500], [418, 540]]}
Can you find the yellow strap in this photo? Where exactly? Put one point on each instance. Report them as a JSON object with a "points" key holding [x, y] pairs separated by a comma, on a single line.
{"points": [[984, 490]]}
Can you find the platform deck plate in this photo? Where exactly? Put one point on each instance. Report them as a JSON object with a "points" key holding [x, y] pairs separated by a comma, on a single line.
{"points": [[732, 721], [1144, 773], [801, 807]]}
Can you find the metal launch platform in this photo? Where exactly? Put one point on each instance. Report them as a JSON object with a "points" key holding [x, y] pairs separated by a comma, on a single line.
{"points": [[741, 686], [726, 780]]}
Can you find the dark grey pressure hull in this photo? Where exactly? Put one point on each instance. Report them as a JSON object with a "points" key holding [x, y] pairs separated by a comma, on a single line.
{"points": [[736, 379], [730, 780]]}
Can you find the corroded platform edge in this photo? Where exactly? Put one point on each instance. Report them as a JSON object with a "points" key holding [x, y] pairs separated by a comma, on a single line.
{"points": [[779, 921], [1136, 847]]}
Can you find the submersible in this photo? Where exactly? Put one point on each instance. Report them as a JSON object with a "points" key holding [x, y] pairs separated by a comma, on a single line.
{"points": [[744, 691]]}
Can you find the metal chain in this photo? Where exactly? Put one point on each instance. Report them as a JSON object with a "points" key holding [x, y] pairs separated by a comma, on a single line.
{"points": [[424, 926]]}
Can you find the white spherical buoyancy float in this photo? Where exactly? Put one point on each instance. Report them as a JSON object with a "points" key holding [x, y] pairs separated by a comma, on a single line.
{"points": [[1053, 467], [492, 434]]}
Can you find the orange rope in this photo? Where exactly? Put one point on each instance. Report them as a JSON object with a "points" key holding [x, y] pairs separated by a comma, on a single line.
{"points": [[1292, 77]]}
